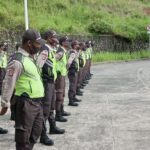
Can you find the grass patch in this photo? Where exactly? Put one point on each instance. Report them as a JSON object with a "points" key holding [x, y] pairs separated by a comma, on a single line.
{"points": [[122, 17], [115, 56]]}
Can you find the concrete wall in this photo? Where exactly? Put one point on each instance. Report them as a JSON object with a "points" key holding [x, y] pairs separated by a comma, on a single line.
{"points": [[103, 42]]}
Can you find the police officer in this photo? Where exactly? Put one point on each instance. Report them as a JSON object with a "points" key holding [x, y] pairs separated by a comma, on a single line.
{"points": [[60, 81], [73, 68], [89, 58], [23, 75], [86, 68], [82, 61], [91, 51], [3, 62], [49, 76], [3, 65]]}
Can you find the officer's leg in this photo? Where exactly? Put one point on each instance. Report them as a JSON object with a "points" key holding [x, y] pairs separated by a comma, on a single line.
{"points": [[90, 68], [2, 131], [76, 86], [81, 78], [59, 98], [38, 123], [78, 91], [44, 139], [72, 89], [63, 112], [84, 82], [53, 128], [24, 121]]}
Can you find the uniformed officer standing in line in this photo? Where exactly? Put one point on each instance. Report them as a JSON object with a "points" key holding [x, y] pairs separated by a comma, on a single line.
{"points": [[23, 75], [86, 68], [83, 47], [89, 58], [91, 52], [49, 76], [3, 62], [82, 61], [73, 68], [3, 65], [60, 81]]}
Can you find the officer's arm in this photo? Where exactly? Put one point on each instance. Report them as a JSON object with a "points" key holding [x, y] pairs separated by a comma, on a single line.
{"points": [[41, 58], [1, 61], [13, 72], [70, 60], [59, 55]]}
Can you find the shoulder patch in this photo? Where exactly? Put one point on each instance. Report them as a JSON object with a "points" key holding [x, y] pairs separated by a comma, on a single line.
{"points": [[60, 50], [16, 56]]}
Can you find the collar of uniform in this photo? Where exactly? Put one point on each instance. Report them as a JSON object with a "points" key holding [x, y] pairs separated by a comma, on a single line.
{"points": [[74, 51], [50, 47], [63, 49], [2, 52], [25, 53]]}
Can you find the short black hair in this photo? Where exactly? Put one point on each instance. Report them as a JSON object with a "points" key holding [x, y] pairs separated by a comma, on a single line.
{"points": [[49, 33], [33, 36], [63, 39]]}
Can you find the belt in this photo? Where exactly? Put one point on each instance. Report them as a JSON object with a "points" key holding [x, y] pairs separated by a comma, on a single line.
{"points": [[36, 99], [30, 99], [48, 80]]}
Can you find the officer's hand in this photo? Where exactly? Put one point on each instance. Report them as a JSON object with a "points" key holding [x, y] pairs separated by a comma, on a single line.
{"points": [[3, 110]]}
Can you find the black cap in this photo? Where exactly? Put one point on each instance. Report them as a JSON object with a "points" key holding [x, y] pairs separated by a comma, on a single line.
{"points": [[88, 42], [82, 44], [75, 42], [33, 36], [63, 39], [49, 33]]}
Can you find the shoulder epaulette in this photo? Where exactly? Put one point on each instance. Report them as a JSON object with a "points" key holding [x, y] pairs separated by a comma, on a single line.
{"points": [[16, 56]]}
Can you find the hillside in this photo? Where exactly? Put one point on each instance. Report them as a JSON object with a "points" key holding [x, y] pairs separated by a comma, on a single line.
{"points": [[126, 18]]}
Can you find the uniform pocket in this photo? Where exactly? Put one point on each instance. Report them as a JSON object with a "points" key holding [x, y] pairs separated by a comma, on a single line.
{"points": [[21, 135]]}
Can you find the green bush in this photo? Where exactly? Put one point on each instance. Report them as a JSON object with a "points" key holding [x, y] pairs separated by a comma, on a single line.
{"points": [[100, 27]]}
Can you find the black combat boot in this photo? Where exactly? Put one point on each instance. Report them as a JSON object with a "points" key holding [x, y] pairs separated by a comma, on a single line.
{"points": [[72, 103], [54, 129], [82, 84], [85, 82], [77, 100], [64, 113], [81, 87], [44, 139], [59, 117], [89, 77], [3, 131], [91, 74], [79, 92]]}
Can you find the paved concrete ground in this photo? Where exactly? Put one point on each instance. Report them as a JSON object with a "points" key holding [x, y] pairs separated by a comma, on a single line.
{"points": [[114, 113]]}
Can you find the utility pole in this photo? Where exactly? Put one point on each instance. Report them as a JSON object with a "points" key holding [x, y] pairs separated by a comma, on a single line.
{"points": [[26, 14]]}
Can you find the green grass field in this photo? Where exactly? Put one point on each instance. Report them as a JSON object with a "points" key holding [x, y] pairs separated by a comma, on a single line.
{"points": [[121, 17], [125, 56]]}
